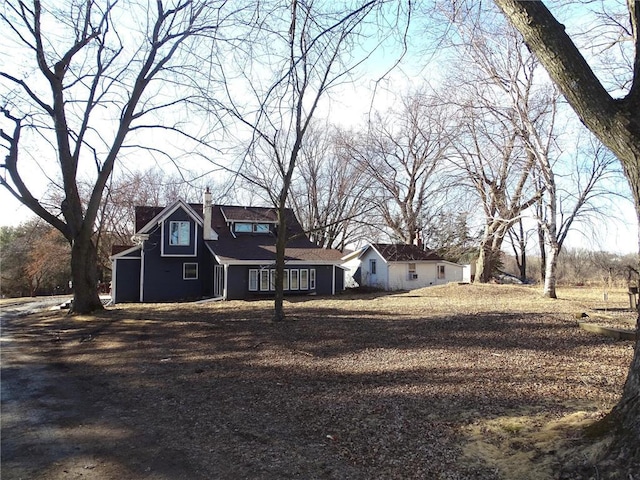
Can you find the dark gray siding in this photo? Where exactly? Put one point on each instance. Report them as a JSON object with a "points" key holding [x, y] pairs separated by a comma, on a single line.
{"points": [[238, 282], [324, 279], [163, 276], [127, 280], [339, 279]]}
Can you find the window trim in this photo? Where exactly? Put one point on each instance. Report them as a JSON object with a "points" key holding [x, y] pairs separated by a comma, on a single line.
{"points": [[248, 225], [304, 272], [285, 280], [441, 272], [261, 228], [264, 280], [179, 240], [296, 285], [312, 279], [184, 270], [412, 272], [253, 273]]}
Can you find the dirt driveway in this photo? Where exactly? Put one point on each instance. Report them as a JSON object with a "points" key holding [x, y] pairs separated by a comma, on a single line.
{"points": [[416, 385]]}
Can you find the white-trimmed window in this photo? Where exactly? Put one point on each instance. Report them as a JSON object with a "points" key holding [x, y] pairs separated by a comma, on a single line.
{"points": [[412, 271], [441, 274], [285, 280], [179, 233], [264, 280], [272, 282], [242, 227], [253, 280], [190, 271], [312, 279], [304, 279], [294, 280]]}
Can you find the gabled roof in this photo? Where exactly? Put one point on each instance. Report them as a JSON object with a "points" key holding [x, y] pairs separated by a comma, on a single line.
{"points": [[164, 213], [245, 247], [249, 214], [261, 247], [398, 252]]}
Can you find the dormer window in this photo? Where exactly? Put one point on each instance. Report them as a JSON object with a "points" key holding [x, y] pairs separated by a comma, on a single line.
{"points": [[246, 227], [179, 233]]}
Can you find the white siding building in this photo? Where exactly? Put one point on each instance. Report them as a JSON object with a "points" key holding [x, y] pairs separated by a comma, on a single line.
{"points": [[401, 267]]}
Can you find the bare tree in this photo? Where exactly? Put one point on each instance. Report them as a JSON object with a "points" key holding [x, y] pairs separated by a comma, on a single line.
{"points": [[404, 152], [519, 237], [299, 53], [329, 192], [616, 123], [92, 81], [499, 98], [570, 197]]}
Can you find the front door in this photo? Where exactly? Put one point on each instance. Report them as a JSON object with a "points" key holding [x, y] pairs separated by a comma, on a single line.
{"points": [[218, 280], [373, 272]]}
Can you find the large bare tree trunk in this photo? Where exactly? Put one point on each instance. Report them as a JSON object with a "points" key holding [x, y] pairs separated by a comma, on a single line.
{"points": [[84, 261], [616, 122]]}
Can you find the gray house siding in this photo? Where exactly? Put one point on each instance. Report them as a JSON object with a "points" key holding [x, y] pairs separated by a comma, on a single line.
{"points": [[325, 279], [127, 280], [237, 282], [164, 276]]}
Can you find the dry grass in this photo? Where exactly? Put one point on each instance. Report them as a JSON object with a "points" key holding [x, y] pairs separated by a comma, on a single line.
{"points": [[451, 382]]}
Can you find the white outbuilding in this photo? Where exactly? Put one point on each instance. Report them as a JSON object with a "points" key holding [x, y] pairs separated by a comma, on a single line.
{"points": [[399, 267]]}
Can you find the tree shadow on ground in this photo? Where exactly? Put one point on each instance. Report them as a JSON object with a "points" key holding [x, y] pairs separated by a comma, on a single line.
{"points": [[195, 393]]}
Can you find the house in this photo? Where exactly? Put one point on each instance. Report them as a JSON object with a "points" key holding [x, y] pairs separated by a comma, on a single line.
{"points": [[399, 267], [190, 251]]}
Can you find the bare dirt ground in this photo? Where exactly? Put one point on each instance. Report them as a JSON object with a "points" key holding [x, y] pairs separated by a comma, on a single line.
{"points": [[453, 382]]}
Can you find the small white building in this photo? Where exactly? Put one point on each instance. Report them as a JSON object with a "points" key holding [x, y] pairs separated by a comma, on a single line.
{"points": [[399, 267]]}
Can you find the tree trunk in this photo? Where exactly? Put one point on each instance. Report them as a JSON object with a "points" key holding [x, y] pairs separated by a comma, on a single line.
{"points": [[84, 274], [550, 268], [523, 266], [486, 263], [281, 244], [543, 253], [616, 123]]}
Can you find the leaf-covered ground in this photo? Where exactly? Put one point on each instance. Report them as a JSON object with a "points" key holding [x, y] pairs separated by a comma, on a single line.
{"points": [[452, 382]]}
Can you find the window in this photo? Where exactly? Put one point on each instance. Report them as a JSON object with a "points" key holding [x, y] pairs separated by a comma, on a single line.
{"points": [[179, 233], [242, 228], [190, 271], [304, 279], [312, 279], [253, 280], [264, 280], [261, 227], [372, 267], [412, 271], [272, 283], [441, 272], [293, 280], [285, 280]]}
